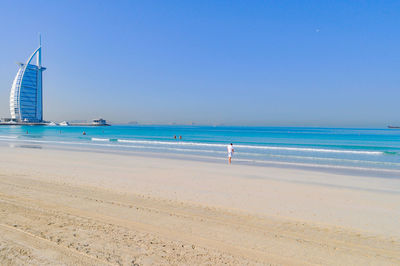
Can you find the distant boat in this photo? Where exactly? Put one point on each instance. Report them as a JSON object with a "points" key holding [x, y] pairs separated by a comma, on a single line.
{"points": [[52, 124], [393, 126], [64, 123], [99, 122]]}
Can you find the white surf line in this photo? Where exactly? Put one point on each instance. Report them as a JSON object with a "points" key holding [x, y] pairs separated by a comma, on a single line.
{"points": [[252, 147], [103, 144], [100, 139], [9, 137], [312, 150], [223, 145]]}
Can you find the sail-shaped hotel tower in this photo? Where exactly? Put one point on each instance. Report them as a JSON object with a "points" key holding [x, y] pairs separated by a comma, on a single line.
{"points": [[26, 97]]}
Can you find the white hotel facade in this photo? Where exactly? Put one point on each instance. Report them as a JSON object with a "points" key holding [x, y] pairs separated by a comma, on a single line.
{"points": [[26, 97]]}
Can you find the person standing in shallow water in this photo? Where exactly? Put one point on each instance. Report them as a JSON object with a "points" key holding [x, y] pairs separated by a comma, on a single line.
{"points": [[230, 152]]}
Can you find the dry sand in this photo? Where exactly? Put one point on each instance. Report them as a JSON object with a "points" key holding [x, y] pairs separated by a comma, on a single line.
{"points": [[86, 208]]}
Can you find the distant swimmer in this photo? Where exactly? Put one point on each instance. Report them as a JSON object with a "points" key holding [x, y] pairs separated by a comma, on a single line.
{"points": [[175, 137], [84, 133], [230, 152], [180, 137], [27, 132]]}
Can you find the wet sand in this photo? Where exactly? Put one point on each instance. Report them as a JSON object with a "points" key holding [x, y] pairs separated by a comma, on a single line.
{"points": [[86, 208]]}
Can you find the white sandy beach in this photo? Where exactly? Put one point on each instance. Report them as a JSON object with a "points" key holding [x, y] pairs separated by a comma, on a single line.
{"points": [[87, 208]]}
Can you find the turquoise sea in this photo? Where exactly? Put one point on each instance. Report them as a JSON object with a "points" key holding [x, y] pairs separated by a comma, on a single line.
{"points": [[356, 148]]}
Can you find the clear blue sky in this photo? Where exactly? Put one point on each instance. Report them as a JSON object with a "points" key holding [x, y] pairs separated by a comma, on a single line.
{"points": [[316, 63]]}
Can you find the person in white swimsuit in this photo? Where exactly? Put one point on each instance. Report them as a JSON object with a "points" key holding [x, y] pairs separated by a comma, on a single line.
{"points": [[230, 152]]}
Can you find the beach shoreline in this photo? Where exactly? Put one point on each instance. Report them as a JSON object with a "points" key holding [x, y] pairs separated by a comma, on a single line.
{"points": [[83, 147], [209, 205]]}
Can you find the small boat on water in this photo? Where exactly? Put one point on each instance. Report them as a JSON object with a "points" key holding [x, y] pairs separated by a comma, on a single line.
{"points": [[393, 126], [94, 122], [64, 123], [52, 124], [99, 122]]}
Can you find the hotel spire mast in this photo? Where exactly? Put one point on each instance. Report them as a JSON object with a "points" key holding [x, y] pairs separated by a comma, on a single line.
{"points": [[39, 54]]}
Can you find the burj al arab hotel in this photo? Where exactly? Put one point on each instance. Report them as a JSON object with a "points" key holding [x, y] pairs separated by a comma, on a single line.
{"points": [[26, 97]]}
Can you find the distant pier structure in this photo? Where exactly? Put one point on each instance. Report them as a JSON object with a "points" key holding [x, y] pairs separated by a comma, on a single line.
{"points": [[26, 96]]}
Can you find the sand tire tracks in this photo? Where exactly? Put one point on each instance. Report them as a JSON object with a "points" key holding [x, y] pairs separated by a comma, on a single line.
{"points": [[112, 208]]}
